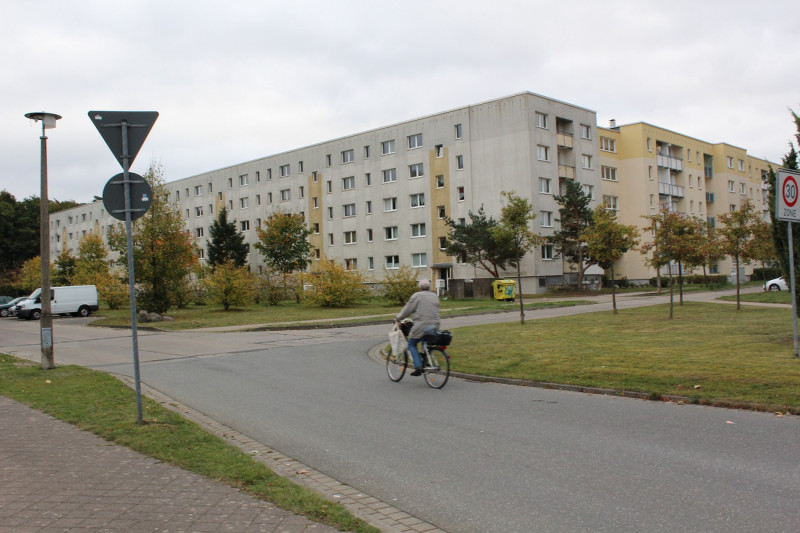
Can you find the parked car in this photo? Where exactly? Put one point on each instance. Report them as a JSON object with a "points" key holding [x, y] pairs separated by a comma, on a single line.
{"points": [[777, 284], [5, 299], [5, 308], [77, 300]]}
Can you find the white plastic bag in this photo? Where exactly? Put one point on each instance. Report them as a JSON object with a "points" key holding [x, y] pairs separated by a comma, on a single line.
{"points": [[397, 340]]}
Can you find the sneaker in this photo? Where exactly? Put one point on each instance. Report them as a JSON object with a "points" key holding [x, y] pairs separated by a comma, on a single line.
{"points": [[417, 372]]}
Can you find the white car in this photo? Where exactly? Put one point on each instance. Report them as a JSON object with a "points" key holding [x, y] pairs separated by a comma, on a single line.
{"points": [[777, 284]]}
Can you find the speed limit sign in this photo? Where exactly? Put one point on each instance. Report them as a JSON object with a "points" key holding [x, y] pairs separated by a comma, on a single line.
{"points": [[787, 206]]}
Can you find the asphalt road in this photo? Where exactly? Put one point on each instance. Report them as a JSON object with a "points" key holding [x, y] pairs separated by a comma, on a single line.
{"points": [[473, 456]]}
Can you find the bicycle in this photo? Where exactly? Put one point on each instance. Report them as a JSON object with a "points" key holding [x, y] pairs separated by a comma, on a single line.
{"points": [[435, 359]]}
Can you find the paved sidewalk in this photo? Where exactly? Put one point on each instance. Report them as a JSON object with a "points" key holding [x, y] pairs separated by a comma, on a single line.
{"points": [[56, 477]]}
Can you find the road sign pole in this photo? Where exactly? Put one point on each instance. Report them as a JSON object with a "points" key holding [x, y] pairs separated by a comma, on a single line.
{"points": [[131, 285], [791, 280]]}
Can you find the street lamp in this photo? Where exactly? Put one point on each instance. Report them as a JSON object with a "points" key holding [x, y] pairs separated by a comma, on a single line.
{"points": [[46, 319]]}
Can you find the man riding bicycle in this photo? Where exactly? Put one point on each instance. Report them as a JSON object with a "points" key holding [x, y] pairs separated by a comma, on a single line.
{"points": [[424, 305]]}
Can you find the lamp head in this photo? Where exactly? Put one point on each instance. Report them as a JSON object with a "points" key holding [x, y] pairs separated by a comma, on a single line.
{"points": [[48, 119]]}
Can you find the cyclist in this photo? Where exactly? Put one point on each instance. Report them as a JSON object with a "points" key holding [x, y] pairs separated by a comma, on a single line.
{"points": [[424, 305]]}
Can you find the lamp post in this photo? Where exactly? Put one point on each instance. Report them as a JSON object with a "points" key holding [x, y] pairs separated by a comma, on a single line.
{"points": [[48, 121]]}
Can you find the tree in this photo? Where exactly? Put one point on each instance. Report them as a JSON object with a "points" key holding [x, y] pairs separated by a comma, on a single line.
{"points": [[284, 244], [607, 240], [514, 236], [226, 243], [91, 265], [336, 287], [780, 228], [163, 252], [399, 284], [476, 243], [231, 286], [64, 268], [737, 232], [19, 230], [575, 216], [761, 248]]}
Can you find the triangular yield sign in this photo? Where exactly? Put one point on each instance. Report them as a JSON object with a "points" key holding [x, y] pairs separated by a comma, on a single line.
{"points": [[109, 124]]}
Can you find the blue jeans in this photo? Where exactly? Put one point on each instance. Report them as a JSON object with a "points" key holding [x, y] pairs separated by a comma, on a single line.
{"points": [[412, 347]]}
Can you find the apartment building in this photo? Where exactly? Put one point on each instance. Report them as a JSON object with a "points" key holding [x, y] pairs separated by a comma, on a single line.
{"points": [[377, 200], [644, 167]]}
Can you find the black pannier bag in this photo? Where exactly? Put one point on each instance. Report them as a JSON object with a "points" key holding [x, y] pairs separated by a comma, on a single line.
{"points": [[440, 338]]}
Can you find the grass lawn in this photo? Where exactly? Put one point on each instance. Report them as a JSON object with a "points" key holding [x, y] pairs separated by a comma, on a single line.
{"points": [[102, 404], [203, 316], [711, 353]]}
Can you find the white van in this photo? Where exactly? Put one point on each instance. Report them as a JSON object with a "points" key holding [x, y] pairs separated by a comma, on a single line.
{"points": [[77, 300]]}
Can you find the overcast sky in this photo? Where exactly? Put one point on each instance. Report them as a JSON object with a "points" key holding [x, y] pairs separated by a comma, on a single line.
{"points": [[242, 79]]}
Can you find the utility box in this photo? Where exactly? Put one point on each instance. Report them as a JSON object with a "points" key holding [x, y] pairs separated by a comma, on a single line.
{"points": [[504, 289]]}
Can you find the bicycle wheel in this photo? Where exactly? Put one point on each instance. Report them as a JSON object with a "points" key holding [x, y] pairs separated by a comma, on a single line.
{"points": [[396, 365], [437, 369]]}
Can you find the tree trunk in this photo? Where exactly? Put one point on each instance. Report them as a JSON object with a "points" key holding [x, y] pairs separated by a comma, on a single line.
{"points": [[680, 282], [613, 290], [738, 299], [671, 294], [519, 295]]}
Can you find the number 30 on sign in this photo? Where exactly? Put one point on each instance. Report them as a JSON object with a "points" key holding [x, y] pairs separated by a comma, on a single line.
{"points": [[787, 207]]}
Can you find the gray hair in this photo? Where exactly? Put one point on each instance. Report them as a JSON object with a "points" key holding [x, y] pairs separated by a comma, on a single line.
{"points": [[424, 285]]}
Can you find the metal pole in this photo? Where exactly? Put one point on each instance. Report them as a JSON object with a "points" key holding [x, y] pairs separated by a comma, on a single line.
{"points": [[791, 280], [131, 286], [46, 318]]}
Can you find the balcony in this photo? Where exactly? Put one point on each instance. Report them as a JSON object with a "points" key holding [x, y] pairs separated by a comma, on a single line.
{"points": [[564, 140], [670, 190], [709, 172], [567, 172], [709, 197], [672, 163]]}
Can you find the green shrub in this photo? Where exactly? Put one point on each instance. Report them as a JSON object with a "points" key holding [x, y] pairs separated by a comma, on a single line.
{"points": [[400, 284]]}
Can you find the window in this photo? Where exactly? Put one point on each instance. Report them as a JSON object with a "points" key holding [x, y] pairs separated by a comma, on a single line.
{"points": [[544, 185], [198, 190], [285, 170], [177, 197], [316, 228], [387, 147], [328, 160], [649, 144], [460, 162], [729, 161], [370, 263], [419, 260], [348, 156], [586, 131], [329, 186], [742, 188], [286, 195], [349, 237], [731, 186], [588, 191], [330, 212], [389, 175], [300, 165], [302, 191], [269, 174], [198, 232], [608, 173], [440, 182], [610, 202], [415, 170], [442, 243], [350, 264], [369, 234], [459, 131], [439, 151], [368, 179], [392, 262], [244, 225], [369, 207], [547, 219], [316, 254], [258, 199], [541, 120], [608, 145], [418, 230], [390, 233], [587, 161], [243, 180], [349, 210], [244, 203], [198, 211], [441, 211], [741, 165], [652, 200], [732, 208], [547, 251], [330, 239], [417, 200], [230, 185], [543, 153], [415, 141], [366, 152], [390, 204], [460, 193], [269, 197], [348, 183]]}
